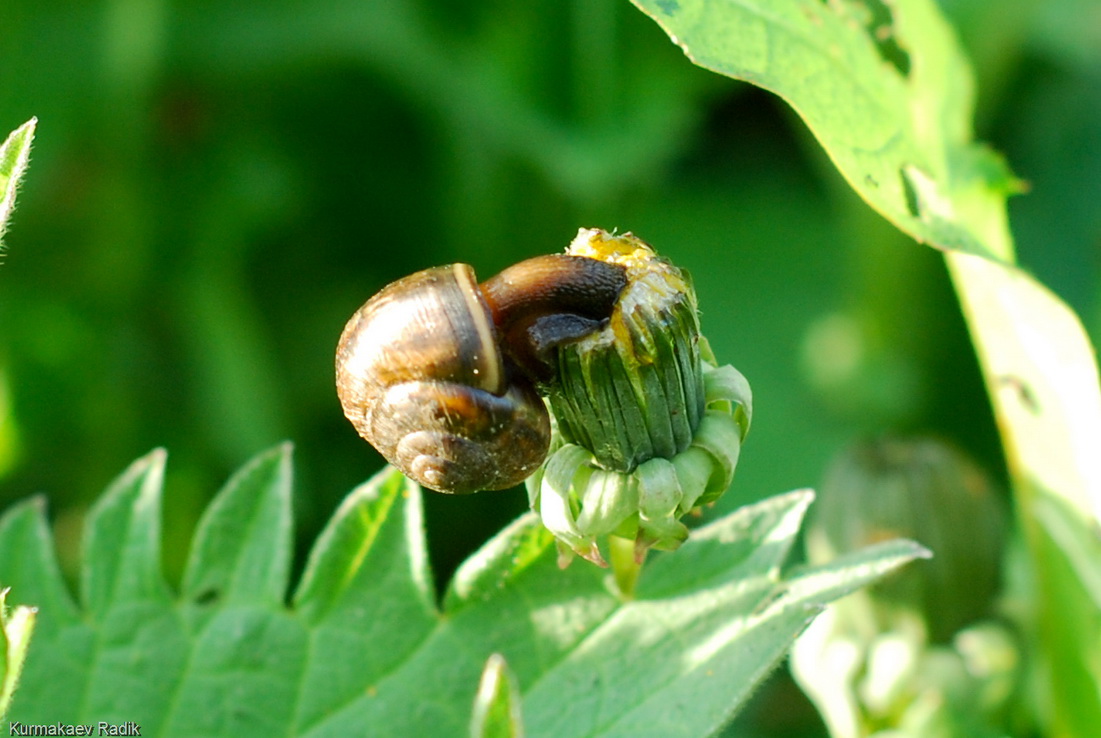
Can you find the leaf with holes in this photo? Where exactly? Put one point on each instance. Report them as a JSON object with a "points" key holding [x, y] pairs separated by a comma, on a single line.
{"points": [[887, 91], [885, 88], [365, 647]]}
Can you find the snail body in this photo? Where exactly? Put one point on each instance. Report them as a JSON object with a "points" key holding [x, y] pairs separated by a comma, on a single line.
{"points": [[439, 373]]}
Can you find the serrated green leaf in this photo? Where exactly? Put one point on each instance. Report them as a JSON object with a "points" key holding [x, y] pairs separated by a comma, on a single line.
{"points": [[122, 537], [491, 567], [364, 646], [14, 155], [240, 677], [338, 572], [679, 661], [29, 565], [242, 548], [368, 596]]}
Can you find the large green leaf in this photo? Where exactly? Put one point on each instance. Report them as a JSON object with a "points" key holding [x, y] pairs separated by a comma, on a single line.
{"points": [[902, 139], [364, 645], [889, 101], [886, 90]]}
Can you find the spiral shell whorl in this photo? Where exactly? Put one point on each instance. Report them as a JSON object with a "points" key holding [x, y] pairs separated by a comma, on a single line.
{"points": [[421, 377]]}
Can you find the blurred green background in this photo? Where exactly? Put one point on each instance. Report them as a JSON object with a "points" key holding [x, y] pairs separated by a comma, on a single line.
{"points": [[216, 186]]}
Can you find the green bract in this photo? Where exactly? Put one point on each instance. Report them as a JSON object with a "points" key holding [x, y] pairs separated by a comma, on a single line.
{"points": [[647, 426]]}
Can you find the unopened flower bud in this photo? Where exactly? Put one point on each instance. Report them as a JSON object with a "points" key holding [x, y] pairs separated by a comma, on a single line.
{"points": [[648, 427]]}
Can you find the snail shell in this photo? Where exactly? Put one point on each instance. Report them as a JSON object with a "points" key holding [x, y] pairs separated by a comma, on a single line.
{"points": [[438, 372]]}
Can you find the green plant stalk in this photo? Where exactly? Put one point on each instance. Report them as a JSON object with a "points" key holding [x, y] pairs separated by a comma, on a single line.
{"points": [[626, 565]]}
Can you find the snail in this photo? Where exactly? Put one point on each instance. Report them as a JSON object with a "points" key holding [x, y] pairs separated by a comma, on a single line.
{"points": [[440, 374]]}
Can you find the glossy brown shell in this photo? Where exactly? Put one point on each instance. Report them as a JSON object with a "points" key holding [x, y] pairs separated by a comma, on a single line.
{"points": [[420, 375]]}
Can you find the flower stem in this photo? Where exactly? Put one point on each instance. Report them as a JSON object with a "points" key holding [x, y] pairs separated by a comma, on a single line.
{"points": [[626, 565]]}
